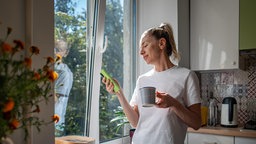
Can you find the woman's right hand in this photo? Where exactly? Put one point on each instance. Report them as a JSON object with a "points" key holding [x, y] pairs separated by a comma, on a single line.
{"points": [[109, 85]]}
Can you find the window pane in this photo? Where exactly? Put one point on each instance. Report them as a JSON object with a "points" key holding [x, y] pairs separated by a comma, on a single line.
{"points": [[70, 29], [116, 61]]}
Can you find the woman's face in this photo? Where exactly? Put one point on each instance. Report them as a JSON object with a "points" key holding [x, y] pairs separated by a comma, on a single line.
{"points": [[62, 52], [149, 49]]}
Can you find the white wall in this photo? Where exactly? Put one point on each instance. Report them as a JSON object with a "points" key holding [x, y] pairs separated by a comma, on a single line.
{"points": [[151, 13], [42, 35], [32, 21], [11, 15]]}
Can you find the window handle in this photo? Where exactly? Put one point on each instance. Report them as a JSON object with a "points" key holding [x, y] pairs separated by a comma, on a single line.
{"points": [[105, 45]]}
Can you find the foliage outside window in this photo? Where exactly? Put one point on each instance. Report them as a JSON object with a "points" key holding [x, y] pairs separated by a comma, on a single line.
{"points": [[113, 63], [118, 61], [70, 24]]}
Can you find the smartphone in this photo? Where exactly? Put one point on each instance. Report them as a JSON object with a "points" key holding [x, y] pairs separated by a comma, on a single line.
{"points": [[106, 75]]}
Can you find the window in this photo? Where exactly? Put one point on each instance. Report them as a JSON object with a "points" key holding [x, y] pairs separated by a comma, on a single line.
{"points": [[86, 27], [70, 27], [117, 61]]}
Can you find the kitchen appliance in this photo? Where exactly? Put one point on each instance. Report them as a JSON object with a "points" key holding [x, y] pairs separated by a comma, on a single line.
{"points": [[229, 112], [212, 112]]}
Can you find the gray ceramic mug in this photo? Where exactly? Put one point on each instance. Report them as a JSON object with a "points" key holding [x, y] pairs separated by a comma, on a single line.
{"points": [[148, 96]]}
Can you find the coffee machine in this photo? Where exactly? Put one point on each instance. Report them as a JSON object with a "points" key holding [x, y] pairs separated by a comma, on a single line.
{"points": [[229, 112]]}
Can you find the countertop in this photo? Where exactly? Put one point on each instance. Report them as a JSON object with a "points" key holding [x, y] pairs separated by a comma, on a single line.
{"points": [[218, 130]]}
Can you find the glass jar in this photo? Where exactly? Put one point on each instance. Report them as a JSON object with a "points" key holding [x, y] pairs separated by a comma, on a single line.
{"points": [[212, 113]]}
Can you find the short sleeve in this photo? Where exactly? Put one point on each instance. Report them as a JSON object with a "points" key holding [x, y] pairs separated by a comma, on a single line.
{"points": [[192, 89]]}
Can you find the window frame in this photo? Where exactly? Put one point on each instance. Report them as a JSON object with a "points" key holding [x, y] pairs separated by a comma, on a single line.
{"points": [[96, 27], [95, 33]]}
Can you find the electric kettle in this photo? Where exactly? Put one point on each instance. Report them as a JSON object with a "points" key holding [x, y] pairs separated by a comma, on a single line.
{"points": [[229, 112]]}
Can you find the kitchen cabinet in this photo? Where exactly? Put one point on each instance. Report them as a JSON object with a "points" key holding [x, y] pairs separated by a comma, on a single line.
{"points": [[175, 12], [247, 25], [201, 138], [196, 138], [244, 140], [218, 28]]}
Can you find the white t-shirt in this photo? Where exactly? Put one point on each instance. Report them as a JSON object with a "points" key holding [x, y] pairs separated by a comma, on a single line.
{"points": [[162, 125]]}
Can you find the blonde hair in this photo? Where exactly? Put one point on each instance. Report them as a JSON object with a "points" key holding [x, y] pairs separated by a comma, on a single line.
{"points": [[60, 46], [165, 31]]}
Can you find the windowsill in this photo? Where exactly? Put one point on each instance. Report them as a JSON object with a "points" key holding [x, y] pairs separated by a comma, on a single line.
{"points": [[73, 139], [124, 140]]}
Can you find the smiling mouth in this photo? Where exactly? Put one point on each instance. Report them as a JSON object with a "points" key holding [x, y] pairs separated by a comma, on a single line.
{"points": [[145, 57]]}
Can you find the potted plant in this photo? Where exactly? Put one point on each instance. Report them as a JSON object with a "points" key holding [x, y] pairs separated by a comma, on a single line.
{"points": [[122, 122], [22, 88]]}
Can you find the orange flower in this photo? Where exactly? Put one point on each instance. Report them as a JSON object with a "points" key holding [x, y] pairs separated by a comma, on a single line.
{"points": [[8, 106], [6, 47], [56, 75], [46, 68], [52, 75], [58, 57], [14, 124], [56, 118], [50, 60], [34, 50], [19, 44], [37, 76], [28, 62]]}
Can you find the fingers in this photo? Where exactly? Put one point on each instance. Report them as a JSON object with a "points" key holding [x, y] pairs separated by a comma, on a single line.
{"points": [[160, 94], [104, 80], [116, 82], [162, 99], [109, 85], [159, 99]]}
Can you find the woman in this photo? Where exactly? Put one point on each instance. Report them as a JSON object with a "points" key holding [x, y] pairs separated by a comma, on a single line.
{"points": [[63, 84], [178, 96]]}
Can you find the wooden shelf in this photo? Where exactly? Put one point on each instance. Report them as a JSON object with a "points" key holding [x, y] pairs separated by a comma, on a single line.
{"points": [[74, 139]]}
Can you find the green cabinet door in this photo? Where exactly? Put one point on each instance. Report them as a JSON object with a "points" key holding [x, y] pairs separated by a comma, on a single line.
{"points": [[247, 25]]}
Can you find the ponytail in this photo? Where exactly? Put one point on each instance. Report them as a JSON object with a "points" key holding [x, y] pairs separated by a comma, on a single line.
{"points": [[167, 27]]}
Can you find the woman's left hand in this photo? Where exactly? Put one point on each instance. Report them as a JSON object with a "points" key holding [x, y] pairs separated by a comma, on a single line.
{"points": [[164, 100], [190, 115]]}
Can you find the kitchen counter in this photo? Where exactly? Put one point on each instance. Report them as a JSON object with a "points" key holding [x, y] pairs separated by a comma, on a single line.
{"points": [[218, 130]]}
